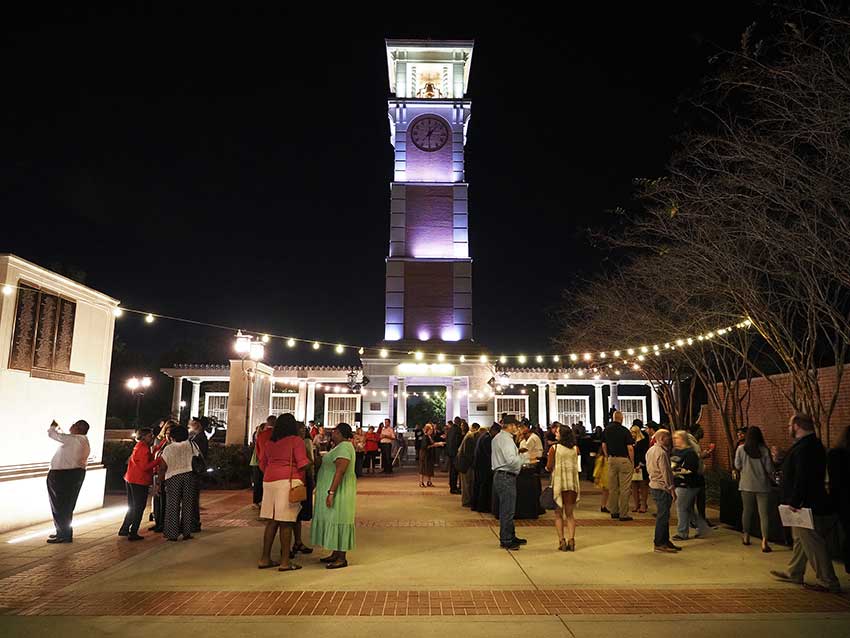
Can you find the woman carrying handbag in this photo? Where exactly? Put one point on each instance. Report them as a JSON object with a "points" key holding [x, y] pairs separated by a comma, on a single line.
{"points": [[563, 464], [282, 460]]}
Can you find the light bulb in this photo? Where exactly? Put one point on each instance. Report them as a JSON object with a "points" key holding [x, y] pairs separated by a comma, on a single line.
{"points": [[462, 358], [419, 355], [266, 338], [339, 348], [290, 342], [503, 359], [7, 290], [384, 354], [539, 359], [556, 358], [483, 358], [316, 345], [441, 357], [149, 318], [117, 312], [521, 359]]}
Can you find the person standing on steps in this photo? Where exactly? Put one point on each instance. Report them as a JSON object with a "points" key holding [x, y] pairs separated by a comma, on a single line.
{"points": [[387, 435], [618, 446], [506, 463]]}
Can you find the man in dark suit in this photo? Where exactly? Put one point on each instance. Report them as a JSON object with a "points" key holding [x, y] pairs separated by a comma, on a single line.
{"points": [[803, 478], [453, 439]]}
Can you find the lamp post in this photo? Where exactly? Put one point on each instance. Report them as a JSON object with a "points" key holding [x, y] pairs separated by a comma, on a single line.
{"points": [[138, 386], [249, 348]]}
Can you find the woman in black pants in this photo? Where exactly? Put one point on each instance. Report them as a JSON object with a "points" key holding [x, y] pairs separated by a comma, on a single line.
{"points": [[138, 479]]}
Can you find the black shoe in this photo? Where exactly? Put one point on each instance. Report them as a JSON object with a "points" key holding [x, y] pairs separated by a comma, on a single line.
{"points": [[604, 510], [135, 537], [519, 541], [615, 516], [121, 532], [53, 536], [511, 547], [674, 547], [626, 518], [188, 537], [56, 540]]}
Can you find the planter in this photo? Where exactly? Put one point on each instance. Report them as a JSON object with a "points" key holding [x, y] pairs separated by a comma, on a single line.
{"points": [[731, 509]]}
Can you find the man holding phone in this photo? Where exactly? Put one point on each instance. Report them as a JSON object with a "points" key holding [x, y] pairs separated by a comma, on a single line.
{"points": [[66, 476]]}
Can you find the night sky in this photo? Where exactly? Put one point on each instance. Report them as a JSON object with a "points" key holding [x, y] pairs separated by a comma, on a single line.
{"points": [[233, 167]]}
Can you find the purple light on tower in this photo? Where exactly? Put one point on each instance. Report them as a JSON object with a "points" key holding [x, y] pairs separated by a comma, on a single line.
{"points": [[450, 334]]}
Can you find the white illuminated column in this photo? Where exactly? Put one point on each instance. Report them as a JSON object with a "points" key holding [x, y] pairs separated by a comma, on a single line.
{"points": [[542, 420], [391, 403], [401, 403], [456, 388], [656, 404], [195, 404], [301, 410], [176, 396], [599, 410], [311, 401], [553, 401], [614, 398]]}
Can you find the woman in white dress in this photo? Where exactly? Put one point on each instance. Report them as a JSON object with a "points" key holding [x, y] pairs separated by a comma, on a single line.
{"points": [[563, 464]]}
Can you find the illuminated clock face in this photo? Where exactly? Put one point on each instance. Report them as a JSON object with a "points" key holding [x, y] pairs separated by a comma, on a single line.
{"points": [[429, 133]]}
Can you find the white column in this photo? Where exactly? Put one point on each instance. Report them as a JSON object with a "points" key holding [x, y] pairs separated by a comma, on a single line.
{"points": [[301, 402], [310, 407], [464, 398], [599, 410], [391, 403], [195, 405], [553, 401], [176, 396], [656, 404], [614, 397], [455, 397], [542, 419], [401, 403]]}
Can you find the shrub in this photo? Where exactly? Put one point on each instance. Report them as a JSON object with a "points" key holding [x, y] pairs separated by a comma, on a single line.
{"points": [[229, 465], [114, 459]]}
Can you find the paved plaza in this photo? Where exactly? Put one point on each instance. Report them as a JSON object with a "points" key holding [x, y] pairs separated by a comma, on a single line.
{"points": [[424, 566]]}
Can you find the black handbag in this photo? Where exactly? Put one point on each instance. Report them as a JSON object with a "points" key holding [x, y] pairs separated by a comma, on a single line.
{"points": [[199, 464], [547, 498]]}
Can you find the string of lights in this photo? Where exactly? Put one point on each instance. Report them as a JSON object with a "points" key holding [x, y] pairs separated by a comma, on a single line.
{"points": [[631, 357]]}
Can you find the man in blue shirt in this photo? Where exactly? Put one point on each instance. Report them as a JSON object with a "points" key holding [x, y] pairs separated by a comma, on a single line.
{"points": [[506, 463]]}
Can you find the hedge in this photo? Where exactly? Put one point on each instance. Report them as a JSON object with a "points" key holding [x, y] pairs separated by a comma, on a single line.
{"points": [[229, 465]]}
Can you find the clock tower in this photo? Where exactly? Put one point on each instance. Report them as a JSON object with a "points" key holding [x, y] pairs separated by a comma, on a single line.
{"points": [[429, 271]]}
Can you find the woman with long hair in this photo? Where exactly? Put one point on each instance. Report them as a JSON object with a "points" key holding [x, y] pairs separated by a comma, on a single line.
{"points": [[687, 477], [283, 459], [562, 464], [336, 496], [755, 467], [640, 479]]}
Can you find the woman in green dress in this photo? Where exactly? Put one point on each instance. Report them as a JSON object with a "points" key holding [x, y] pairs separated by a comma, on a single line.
{"points": [[336, 492]]}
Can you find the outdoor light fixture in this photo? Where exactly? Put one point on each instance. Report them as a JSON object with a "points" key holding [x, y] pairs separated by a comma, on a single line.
{"points": [[556, 358], [7, 290], [602, 355], [441, 357], [521, 359], [138, 386], [116, 312], [616, 353], [573, 357], [462, 358], [419, 355], [339, 348], [503, 359], [630, 351], [587, 356], [483, 358], [266, 338], [539, 359], [257, 350], [149, 318], [316, 345], [290, 342], [243, 343]]}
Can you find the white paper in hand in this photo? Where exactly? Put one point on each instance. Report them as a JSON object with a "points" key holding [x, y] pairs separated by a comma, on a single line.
{"points": [[800, 518]]}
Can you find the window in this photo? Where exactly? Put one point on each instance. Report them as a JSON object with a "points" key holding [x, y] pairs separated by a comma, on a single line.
{"points": [[283, 403], [341, 408], [215, 406], [572, 409], [632, 408], [516, 405]]}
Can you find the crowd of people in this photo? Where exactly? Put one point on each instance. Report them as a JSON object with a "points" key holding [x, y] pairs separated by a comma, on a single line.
{"points": [[309, 473]]}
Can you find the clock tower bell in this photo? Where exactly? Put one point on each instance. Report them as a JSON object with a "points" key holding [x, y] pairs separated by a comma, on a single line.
{"points": [[429, 271]]}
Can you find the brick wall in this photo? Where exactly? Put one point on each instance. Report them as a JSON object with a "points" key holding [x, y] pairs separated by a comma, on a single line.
{"points": [[769, 410], [428, 299], [429, 227]]}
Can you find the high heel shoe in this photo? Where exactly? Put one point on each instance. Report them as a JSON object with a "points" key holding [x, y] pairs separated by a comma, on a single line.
{"points": [[571, 545], [766, 549], [746, 540], [430, 484], [562, 546], [421, 484]]}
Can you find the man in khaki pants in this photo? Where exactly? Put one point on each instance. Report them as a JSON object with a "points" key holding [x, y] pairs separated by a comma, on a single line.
{"points": [[619, 446]]}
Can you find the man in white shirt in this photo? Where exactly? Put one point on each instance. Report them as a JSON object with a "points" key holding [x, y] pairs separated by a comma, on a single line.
{"points": [[531, 447], [506, 463], [66, 476]]}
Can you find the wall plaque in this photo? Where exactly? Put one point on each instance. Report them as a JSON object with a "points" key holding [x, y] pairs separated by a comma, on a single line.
{"points": [[23, 336], [43, 337]]}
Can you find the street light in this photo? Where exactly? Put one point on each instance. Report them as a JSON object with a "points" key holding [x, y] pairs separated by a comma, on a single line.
{"points": [[138, 387]]}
